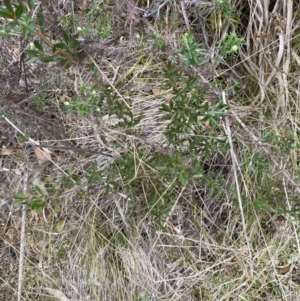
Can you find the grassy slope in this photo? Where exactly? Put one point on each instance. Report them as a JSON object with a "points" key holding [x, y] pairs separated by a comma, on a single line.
{"points": [[226, 236]]}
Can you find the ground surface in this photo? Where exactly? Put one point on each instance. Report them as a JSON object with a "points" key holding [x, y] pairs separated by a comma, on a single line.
{"points": [[117, 210]]}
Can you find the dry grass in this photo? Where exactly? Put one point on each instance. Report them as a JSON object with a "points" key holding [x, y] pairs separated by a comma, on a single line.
{"points": [[88, 244]]}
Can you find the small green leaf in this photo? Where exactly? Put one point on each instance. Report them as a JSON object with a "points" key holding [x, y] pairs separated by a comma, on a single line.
{"points": [[19, 11], [51, 58], [136, 120], [66, 37], [38, 46], [197, 176], [17, 202], [37, 205], [21, 196], [5, 14], [165, 108], [33, 52], [74, 43], [41, 21], [9, 8], [32, 59], [60, 226], [59, 46], [39, 190], [30, 3]]}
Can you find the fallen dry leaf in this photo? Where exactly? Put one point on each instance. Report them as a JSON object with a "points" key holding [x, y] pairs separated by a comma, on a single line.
{"points": [[10, 151], [57, 294], [17, 171], [5, 152], [42, 156], [155, 90], [285, 269]]}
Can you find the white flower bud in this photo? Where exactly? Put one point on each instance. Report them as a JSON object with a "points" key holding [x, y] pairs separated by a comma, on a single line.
{"points": [[234, 48]]}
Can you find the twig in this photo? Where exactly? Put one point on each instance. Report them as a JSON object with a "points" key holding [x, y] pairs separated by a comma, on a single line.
{"points": [[186, 19], [23, 225], [234, 167], [76, 149], [293, 219], [157, 10]]}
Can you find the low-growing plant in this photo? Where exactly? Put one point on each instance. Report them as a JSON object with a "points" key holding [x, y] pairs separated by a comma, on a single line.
{"points": [[230, 44], [225, 8], [153, 184], [35, 202], [191, 50], [160, 41], [194, 121]]}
